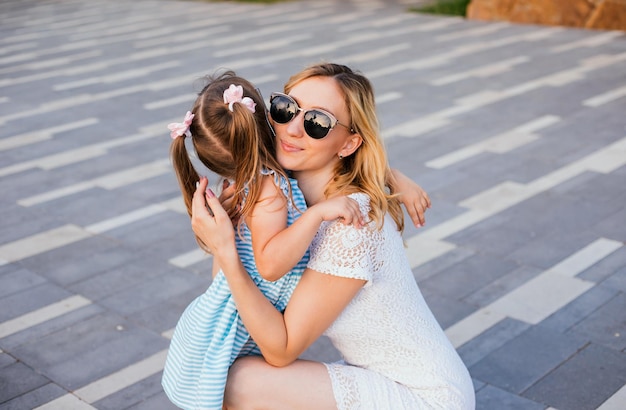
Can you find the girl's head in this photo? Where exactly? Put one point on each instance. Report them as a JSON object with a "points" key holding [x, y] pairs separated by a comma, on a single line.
{"points": [[231, 136], [351, 155]]}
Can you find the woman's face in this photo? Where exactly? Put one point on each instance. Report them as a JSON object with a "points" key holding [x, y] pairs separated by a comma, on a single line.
{"points": [[298, 152]]}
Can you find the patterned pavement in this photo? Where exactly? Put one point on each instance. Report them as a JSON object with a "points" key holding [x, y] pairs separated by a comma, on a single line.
{"points": [[517, 132]]}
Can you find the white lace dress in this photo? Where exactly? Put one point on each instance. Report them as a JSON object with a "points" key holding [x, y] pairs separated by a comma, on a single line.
{"points": [[395, 354]]}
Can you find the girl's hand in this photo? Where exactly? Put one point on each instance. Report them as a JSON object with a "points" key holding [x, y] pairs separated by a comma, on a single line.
{"points": [[415, 199], [343, 208], [209, 220]]}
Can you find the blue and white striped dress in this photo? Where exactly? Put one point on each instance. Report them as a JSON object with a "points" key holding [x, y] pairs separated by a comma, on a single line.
{"points": [[210, 335]]}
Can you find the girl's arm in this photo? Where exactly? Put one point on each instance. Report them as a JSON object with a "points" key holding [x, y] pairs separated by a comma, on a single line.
{"points": [[277, 247], [414, 198], [316, 302]]}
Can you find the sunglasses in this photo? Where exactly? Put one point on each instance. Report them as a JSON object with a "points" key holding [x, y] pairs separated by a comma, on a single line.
{"points": [[317, 123]]}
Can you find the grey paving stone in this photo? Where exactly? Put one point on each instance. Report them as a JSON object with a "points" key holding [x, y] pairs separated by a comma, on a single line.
{"points": [[502, 286], [134, 395], [584, 381], [17, 379], [152, 292], [526, 359], [81, 260], [491, 397], [446, 310], [157, 402], [468, 276], [6, 359], [580, 308], [546, 252], [606, 267], [34, 398], [17, 304], [17, 281], [167, 229], [490, 340], [121, 277], [89, 207], [502, 240], [434, 266], [89, 350], [321, 350], [50, 326], [606, 325], [612, 227]]}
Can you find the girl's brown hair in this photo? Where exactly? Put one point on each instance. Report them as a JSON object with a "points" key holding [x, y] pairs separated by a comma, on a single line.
{"points": [[237, 144], [367, 168]]}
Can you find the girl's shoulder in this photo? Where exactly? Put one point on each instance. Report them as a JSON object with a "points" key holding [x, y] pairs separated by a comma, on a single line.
{"points": [[288, 186]]}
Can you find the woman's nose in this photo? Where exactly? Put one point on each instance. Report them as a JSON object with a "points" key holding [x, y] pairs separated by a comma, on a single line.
{"points": [[295, 127]]}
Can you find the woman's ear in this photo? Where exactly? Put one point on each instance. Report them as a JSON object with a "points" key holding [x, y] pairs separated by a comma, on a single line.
{"points": [[351, 145]]}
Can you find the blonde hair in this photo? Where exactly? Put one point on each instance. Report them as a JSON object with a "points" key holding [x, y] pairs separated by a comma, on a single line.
{"points": [[236, 145], [367, 168]]}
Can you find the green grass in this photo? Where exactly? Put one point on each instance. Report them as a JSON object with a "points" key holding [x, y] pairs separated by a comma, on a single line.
{"points": [[447, 7]]}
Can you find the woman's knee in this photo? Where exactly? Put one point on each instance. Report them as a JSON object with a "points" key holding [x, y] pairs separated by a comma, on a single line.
{"points": [[244, 382]]}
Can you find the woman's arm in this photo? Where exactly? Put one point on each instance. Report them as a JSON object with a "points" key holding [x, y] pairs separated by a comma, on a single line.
{"points": [[317, 300], [414, 198], [277, 247]]}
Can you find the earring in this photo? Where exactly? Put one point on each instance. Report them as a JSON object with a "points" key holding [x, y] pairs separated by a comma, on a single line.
{"points": [[340, 156]]}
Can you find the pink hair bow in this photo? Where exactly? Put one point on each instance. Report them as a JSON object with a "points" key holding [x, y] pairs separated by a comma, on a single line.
{"points": [[181, 128], [234, 94]]}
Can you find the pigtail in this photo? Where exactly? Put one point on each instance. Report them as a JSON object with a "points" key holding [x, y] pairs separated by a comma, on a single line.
{"points": [[244, 146], [186, 174]]}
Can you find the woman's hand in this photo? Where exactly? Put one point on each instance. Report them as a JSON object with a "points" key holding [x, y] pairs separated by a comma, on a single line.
{"points": [[209, 220], [415, 199]]}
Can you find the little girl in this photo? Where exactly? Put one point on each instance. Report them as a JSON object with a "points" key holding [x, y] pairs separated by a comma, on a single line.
{"points": [[231, 136]]}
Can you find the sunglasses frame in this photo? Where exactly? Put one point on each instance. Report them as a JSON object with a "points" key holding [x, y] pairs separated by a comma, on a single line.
{"points": [[333, 120]]}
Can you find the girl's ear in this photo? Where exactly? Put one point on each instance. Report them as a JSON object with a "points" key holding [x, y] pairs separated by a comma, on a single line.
{"points": [[351, 145]]}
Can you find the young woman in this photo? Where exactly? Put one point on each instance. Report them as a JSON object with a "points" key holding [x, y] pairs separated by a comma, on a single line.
{"points": [[358, 287]]}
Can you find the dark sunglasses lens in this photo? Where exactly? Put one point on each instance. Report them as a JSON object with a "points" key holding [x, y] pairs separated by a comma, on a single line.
{"points": [[317, 124], [282, 109]]}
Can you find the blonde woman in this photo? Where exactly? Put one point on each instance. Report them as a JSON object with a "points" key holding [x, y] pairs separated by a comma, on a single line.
{"points": [[358, 288]]}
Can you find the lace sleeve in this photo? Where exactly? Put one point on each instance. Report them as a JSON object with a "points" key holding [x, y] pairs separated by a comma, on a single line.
{"points": [[342, 250]]}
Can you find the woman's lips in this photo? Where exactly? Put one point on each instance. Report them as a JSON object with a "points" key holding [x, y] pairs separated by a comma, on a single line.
{"points": [[289, 148]]}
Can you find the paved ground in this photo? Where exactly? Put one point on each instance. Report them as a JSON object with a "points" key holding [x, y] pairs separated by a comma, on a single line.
{"points": [[517, 132]]}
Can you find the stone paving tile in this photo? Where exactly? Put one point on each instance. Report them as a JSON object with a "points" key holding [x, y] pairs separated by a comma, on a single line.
{"points": [[606, 267], [446, 309], [70, 264], [478, 348], [438, 264], [582, 382], [501, 286], [51, 326], [605, 326], [471, 274], [90, 349], [17, 379], [137, 394], [523, 361], [580, 308], [491, 397], [6, 360], [34, 398], [17, 280], [17, 304]]}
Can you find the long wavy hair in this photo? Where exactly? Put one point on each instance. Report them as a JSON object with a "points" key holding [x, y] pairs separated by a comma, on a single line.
{"points": [[367, 169]]}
